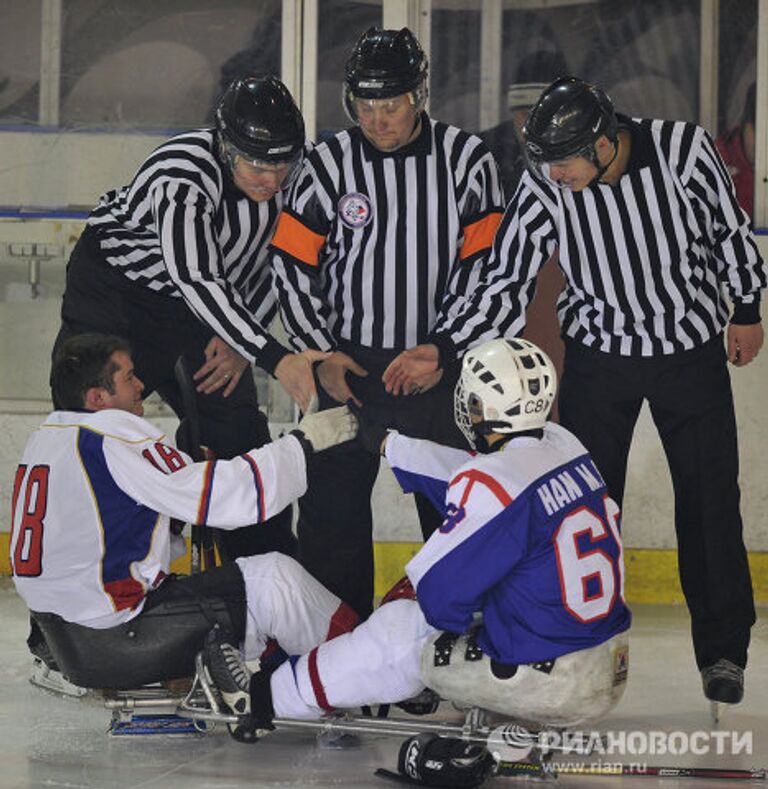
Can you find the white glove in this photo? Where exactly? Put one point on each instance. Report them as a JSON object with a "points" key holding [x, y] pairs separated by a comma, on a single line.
{"points": [[326, 429]]}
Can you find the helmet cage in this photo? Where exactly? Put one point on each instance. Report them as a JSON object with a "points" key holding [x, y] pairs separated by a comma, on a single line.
{"points": [[505, 386], [417, 97], [540, 165], [231, 154]]}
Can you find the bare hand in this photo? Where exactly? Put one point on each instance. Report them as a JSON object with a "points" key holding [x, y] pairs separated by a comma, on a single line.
{"points": [[224, 366], [744, 343], [413, 371], [294, 371], [332, 375]]}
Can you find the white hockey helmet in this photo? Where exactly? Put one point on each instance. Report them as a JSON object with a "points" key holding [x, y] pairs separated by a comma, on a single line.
{"points": [[505, 386]]}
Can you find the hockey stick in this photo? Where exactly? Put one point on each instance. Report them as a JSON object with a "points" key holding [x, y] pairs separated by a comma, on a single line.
{"points": [[188, 440], [518, 769]]}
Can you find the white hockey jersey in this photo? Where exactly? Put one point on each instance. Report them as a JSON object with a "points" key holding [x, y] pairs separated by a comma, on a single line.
{"points": [[92, 502], [530, 542]]}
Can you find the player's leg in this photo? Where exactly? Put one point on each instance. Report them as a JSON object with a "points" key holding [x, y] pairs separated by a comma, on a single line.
{"points": [[285, 603], [599, 401], [692, 406], [376, 662]]}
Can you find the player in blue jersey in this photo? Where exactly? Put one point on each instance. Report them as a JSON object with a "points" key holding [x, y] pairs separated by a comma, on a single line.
{"points": [[519, 595]]}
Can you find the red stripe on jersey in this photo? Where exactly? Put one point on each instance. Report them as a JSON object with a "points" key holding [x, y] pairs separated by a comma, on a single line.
{"points": [[343, 620], [473, 475], [478, 236], [317, 685], [127, 593], [205, 496], [259, 487]]}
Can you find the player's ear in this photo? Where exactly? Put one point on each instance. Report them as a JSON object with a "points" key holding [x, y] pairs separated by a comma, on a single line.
{"points": [[96, 399]]}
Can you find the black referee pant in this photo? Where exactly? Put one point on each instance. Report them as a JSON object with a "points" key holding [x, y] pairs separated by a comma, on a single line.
{"points": [[160, 329], [335, 526], [691, 403]]}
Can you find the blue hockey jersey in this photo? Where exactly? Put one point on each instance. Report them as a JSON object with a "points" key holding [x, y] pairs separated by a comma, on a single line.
{"points": [[530, 541]]}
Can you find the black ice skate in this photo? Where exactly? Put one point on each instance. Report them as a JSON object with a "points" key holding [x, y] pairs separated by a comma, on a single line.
{"points": [[227, 670], [723, 682], [237, 685]]}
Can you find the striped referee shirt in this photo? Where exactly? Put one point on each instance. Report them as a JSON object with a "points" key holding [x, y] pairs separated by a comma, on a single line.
{"points": [[376, 248], [184, 230], [647, 262]]}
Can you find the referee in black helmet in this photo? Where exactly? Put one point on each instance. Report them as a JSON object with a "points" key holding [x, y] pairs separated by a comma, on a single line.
{"points": [[659, 261], [385, 230], [175, 263]]}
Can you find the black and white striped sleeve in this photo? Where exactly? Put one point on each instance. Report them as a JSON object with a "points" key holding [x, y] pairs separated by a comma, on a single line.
{"points": [[481, 205], [295, 249], [728, 227], [525, 240], [183, 215]]}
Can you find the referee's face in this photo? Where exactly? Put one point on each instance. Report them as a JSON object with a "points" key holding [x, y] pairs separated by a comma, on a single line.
{"points": [[575, 174], [388, 124], [261, 181]]}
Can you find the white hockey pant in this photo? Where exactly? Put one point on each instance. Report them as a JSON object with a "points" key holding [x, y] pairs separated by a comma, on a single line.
{"points": [[286, 603], [378, 662]]}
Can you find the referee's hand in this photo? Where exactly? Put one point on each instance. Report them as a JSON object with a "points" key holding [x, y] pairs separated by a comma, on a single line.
{"points": [[294, 371], [332, 374], [413, 371], [223, 367], [744, 342]]}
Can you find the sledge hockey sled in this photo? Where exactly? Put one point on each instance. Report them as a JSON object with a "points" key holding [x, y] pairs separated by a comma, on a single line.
{"points": [[201, 710]]}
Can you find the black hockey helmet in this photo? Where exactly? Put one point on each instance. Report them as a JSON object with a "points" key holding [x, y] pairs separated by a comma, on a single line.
{"points": [[567, 120], [383, 64], [258, 120]]}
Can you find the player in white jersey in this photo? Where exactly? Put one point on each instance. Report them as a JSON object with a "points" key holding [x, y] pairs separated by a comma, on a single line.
{"points": [[519, 594], [175, 262], [91, 542]]}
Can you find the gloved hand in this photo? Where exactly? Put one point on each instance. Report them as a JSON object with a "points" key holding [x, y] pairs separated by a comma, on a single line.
{"points": [[370, 434], [325, 429], [431, 760]]}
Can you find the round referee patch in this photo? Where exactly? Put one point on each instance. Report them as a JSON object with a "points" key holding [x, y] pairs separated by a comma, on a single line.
{"points": [[355, 210]]}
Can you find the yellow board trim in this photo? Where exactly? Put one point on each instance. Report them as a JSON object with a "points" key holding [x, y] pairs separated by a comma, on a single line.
{"points": [[651, 574]]}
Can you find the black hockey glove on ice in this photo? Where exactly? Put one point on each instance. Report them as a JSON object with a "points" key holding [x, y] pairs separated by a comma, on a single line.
{"points": [[430, 760]]}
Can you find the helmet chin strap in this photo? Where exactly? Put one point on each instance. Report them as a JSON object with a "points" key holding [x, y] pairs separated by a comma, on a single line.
{"points": [[483, 429], [603, 169]]}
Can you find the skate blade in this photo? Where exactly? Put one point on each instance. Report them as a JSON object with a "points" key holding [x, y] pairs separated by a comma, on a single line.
{"points": [[53, 681], [154, 725]]}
